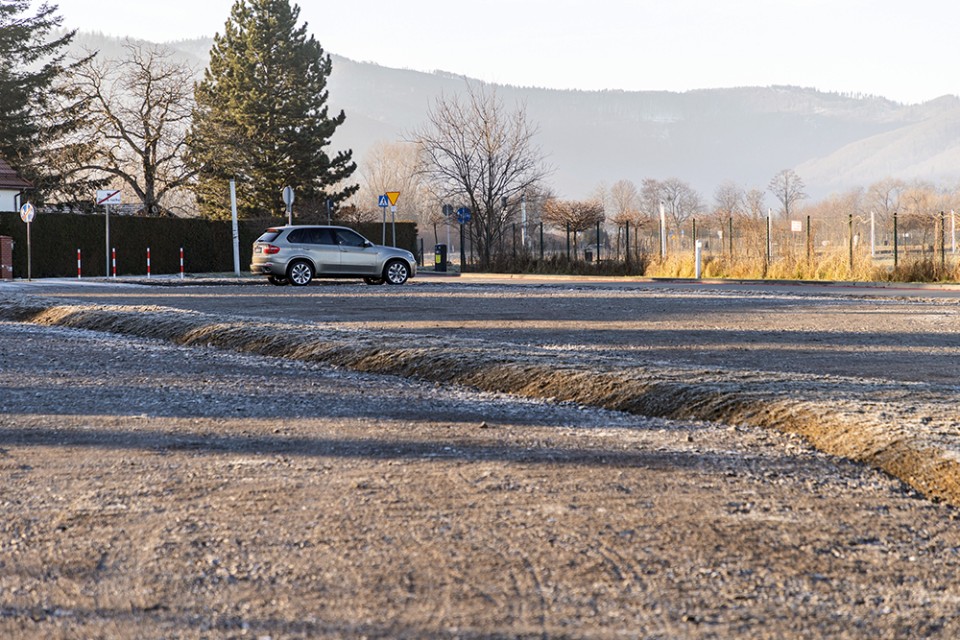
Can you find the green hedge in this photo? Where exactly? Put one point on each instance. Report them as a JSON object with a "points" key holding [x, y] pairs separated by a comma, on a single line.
{"points": [[207, 244]]}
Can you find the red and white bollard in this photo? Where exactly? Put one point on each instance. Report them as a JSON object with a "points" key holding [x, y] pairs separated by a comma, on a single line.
{"points": [[78, 264], [148, 262], [181, 263], [113, 261]]}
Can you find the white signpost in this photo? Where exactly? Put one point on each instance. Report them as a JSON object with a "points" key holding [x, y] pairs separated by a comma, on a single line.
{"points": [[235, 229], [27, 212], [382, 202], [392, 196], [107, 197]]}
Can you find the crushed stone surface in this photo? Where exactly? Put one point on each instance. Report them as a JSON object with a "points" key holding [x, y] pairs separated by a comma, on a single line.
{"points": [[153, 490]]}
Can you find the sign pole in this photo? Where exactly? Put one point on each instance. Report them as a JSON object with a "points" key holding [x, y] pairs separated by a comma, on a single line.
{"points": [[27, 212], [393, 223], [382, 201], [523, 222], [106, 271], [107, 197], [392, 197], [29, 255], [236, 231]]}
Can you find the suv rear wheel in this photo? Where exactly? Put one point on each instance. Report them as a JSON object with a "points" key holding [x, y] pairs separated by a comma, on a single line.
{"points": [[300, 273], [396, 272]]}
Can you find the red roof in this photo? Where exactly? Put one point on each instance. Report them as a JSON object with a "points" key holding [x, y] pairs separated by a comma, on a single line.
{"points": [[9, 178]]}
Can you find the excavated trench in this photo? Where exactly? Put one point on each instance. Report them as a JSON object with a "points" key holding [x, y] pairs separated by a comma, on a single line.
{"points": [[911, 434]]}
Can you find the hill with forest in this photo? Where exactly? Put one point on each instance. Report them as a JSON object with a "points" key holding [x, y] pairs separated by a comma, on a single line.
{"points": [[704, 137]]}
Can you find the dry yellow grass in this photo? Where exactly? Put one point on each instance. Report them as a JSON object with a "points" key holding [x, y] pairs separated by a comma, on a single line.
{"points": [[829, 266]]}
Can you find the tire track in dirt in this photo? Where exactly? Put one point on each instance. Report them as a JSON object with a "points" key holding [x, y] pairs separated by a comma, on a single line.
{"points": [[909, 430]]}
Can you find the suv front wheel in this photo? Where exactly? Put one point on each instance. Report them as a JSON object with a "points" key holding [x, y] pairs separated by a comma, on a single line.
{"points": [[396, 272], [300, 273]]}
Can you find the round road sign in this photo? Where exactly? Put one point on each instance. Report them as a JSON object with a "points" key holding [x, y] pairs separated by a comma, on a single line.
{"points": [[27, 212]]}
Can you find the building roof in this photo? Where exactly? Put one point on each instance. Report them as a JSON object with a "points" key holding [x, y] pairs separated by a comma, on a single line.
{"points": [[9, 178]]}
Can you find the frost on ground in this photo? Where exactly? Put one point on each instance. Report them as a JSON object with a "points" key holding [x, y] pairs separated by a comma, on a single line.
{"points": [[160, 491], [908, 429]]}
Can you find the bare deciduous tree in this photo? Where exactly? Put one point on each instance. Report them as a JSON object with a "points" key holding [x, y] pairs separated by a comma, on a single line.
{"points": [[678, 199], [754, 202], [140, 109], [575, 215], [787, 187], [393, 166], [883, 197], [729, 199], [624, 201], [474, 150]]}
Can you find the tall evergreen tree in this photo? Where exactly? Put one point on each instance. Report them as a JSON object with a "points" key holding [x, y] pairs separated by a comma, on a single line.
{"points": [[262, 117], [39, 114]]}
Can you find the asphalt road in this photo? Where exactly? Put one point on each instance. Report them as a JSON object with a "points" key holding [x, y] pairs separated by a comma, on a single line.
{"points": [[905, 333]]}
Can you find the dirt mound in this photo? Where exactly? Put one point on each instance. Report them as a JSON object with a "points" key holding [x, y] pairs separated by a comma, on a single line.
{"points": [[908, 430]]}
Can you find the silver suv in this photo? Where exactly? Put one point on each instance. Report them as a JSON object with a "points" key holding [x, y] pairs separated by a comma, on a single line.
{"points": [[296, 254]]}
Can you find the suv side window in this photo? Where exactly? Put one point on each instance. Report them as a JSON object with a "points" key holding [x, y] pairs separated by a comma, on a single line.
{"points": [[299, 236], [324, 236], [311, 235], [350, 238]]}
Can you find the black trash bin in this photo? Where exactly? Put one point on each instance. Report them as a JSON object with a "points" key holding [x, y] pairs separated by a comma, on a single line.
{"points": [[440, 251]]}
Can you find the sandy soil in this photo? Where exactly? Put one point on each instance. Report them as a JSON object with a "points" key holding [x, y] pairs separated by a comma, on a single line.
{"points": [[157, 490]]}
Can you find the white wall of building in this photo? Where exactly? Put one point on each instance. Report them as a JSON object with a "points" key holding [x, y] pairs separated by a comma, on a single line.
{"points": [[8, 200]]}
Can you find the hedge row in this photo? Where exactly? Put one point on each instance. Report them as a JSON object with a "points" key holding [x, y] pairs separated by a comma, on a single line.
{"points": [[207, 244]]}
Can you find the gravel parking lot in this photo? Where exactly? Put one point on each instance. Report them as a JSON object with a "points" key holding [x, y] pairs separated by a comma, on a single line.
{"points": [[181, 490]]}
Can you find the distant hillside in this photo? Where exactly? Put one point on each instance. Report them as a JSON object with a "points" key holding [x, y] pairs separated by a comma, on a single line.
{"points": [[704, 137]]}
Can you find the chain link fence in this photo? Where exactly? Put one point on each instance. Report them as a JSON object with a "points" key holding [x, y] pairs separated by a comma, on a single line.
{"points": [[920, 247]]}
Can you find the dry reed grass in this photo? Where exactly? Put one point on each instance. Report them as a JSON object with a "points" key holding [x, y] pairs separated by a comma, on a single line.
{"points": [[826, 266]]}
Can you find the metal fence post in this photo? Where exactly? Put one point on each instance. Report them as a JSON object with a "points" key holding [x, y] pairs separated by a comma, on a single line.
{"points": [[850, 240], [896, 241], [943, 242], [541, 240], [627, 238], [730, 234], [598, 243]]}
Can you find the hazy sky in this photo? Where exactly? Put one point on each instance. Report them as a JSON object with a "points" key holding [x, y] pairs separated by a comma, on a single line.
{"points": [[905, 51]]}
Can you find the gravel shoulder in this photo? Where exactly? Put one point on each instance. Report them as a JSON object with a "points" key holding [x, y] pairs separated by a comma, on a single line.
{"points": [[158, 490]]}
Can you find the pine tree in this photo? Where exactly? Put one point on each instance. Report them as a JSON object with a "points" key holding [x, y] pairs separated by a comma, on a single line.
{"points": [[262, 117], [39, 115]]}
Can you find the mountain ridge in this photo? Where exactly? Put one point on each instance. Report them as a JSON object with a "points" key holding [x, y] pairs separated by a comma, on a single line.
{"points": [[703, 136]]}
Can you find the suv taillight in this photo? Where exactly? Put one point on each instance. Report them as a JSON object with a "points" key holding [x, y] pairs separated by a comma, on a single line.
{"points": [[271, 249]]}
